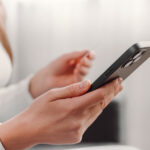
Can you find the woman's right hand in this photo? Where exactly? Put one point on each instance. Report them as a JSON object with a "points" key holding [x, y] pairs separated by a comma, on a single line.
{"points": [[61, 116]]}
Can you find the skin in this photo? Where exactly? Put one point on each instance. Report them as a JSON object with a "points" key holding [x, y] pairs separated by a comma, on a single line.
{"points": [[62, 110], [60, 116], [67, 69]]}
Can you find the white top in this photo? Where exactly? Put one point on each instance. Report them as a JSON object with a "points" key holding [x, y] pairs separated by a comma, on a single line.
{"points": [[5, 67], [1, 147], [14, 98]]}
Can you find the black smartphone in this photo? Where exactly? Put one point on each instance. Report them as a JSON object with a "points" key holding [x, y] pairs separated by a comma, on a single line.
{"points": [[127, 63]]}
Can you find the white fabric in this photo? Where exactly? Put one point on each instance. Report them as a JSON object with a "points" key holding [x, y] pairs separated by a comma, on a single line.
{"points": [[1, 147], [5, 67], [14, 99]]}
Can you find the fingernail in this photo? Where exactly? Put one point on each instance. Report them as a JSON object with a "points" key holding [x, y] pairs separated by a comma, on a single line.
{"points": [[120, 80], [93, 53], [85, 84], [117, 81]]}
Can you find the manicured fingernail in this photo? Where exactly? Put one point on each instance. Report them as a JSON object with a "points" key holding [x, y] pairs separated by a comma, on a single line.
{"points": [[85, 84]]}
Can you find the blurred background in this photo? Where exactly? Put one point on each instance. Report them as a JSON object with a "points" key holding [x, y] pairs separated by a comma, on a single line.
{"points": [[41, 30]]}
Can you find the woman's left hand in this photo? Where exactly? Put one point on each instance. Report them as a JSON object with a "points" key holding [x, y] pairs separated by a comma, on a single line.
{"points": [[65, 70]]}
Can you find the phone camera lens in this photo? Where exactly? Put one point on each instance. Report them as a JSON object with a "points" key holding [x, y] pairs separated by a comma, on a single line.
{"points": [[138, 56], [128, 64], [133, 60], [137, 59]]}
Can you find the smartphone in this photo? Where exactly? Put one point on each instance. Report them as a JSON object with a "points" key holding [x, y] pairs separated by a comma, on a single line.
{"points": [[125, 65]]}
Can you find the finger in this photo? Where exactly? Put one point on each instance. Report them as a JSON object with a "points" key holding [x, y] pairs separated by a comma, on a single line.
{"points": [[75, 55], [113, 89], [90, 115], [85, 61], [102, 95], [93, 112], [83, 70], [96, 110], [78, 76], [92, 55], [79, 73], [73, 90]]}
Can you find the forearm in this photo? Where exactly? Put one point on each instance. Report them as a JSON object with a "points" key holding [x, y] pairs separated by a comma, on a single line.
{"points": [[15, 134]]}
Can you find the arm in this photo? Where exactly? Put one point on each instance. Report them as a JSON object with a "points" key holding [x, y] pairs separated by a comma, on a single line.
{"points": [[67, 69], [61, 72], [61, 116]]}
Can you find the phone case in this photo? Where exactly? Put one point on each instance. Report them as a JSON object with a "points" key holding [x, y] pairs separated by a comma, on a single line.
{"points": [[125, 65]]}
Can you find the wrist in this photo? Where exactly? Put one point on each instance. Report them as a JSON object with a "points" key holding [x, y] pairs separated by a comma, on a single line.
{"points": [[32, 89], [16, 134], [40, 83]]}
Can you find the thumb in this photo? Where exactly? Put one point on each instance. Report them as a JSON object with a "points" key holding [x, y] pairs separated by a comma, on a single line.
{"points": [[76, 55], [73, 90]]}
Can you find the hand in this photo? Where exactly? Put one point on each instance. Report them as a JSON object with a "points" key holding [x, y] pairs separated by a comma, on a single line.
{"points": [[60, 116], [67, 69]]}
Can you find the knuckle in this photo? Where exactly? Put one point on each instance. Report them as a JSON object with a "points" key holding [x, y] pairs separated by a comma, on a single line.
{"points": [[77, 134], [116, 84], [102, 95], [51, 94], [103, 104], [77, 140], [77, 126], [116, 89], [87, 62]]}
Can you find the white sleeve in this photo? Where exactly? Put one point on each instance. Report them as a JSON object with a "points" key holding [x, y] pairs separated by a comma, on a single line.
{"points": [[14, 99], [1, 147]]}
